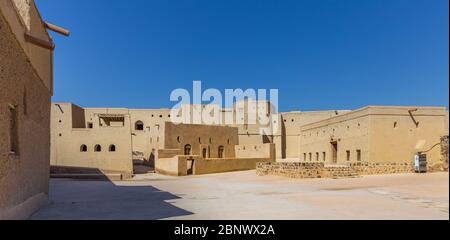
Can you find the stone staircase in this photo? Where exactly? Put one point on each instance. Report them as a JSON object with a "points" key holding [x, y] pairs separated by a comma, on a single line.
{"points": [[339, 171]]}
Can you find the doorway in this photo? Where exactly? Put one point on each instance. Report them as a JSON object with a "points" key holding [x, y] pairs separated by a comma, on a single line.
{"points": [[334, 152], [190, 166]]}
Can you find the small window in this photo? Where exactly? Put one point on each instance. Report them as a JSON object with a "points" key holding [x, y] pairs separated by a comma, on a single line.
{"points": [[358, 155], [304, 157], [178, 139], [160, 116], [228, 141], [210, 140], [98, 148], [83, 148], [324, 156], [90, 125], [204, 152], [200, 140], [395, 125], [348, 155], [139, 126], [187, 150], [317, 156], [310, 157], [112, 148]]}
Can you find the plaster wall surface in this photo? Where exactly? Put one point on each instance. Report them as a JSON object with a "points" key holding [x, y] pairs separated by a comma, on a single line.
{"points": [[114, 142], [23, 17], [396, 136], [292, 122], [25, 92], [200, 138], [376, 135]]}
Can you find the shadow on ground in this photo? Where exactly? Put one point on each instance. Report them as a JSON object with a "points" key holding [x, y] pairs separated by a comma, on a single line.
{"points": [[103, 200]]}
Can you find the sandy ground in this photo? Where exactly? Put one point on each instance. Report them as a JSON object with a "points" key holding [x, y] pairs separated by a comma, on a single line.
{"points": [[243, 195]]}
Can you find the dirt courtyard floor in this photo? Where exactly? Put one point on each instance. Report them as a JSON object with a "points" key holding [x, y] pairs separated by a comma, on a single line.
{"points": [[243, 195]]}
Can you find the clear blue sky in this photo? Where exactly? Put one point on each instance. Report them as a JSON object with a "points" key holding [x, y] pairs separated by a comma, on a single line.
{"points": [[320, 54]]}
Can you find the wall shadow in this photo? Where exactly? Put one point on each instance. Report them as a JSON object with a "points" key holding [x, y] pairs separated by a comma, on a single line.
{"points": [[77, 199]]}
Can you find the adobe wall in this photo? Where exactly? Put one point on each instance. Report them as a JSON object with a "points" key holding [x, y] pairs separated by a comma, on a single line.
{"points": [[200, 137], [67, 141], [151, 138], [395, 137], [23, 17], [255, 151], [171, 163], [24, 175], [381, 134], [172, 166], [292, 121], [350, 134], [208, 166]]}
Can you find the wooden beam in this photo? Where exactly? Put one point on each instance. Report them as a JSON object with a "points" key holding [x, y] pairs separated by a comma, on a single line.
{"points": [[57, 29], [39, 42]]}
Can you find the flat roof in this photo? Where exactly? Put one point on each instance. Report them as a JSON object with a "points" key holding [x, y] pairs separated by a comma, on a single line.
{"points": [[343, 117]]}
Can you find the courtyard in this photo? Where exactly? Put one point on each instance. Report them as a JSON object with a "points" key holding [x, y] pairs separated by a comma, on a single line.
{"points": [[243, 195]]}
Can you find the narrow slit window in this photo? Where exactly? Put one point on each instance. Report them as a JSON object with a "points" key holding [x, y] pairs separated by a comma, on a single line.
{"points": [[358, 155], [13, 131]]}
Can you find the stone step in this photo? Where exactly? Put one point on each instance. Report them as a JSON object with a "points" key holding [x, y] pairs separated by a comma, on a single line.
{"points": [[341, 171]]}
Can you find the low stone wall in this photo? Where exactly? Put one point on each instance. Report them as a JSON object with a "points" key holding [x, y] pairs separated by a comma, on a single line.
{"points": [[174, 166], [290, 169], [382, 168], [319, 170]]}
